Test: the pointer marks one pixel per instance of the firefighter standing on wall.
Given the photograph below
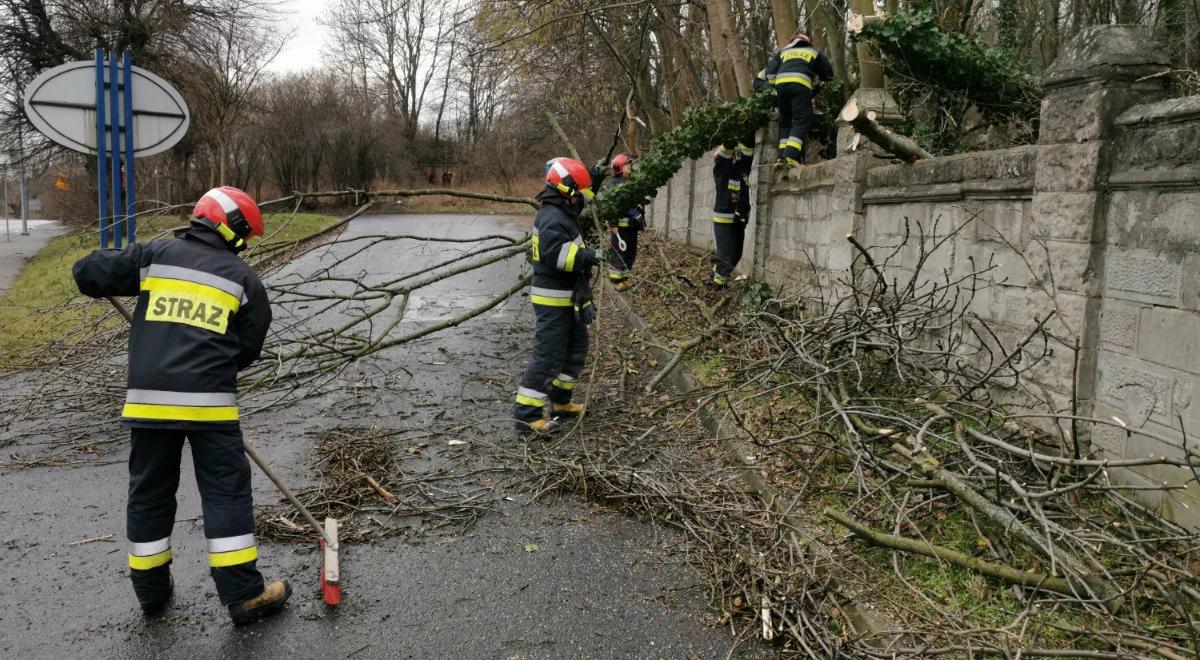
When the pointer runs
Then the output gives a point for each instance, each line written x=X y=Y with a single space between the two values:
x=731 y=212
x=561 y=295
x=624 y=229
x=201 y=315
x=794 y=70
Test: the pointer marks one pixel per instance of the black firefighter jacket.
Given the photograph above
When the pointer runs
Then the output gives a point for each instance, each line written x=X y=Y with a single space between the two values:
x=798 y=62
x=202 y=315
x=557 y=251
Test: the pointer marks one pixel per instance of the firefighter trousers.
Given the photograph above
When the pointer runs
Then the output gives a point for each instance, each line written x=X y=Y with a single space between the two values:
x=730 y=237
x=560 y=343
x=223 y=477
x=621 y=261
x=795 y=120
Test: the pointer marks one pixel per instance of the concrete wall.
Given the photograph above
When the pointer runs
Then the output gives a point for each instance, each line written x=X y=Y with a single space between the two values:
x=1099 y=224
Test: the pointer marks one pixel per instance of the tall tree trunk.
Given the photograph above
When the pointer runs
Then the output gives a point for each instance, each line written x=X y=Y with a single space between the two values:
x=732 y=70
x=783 y=15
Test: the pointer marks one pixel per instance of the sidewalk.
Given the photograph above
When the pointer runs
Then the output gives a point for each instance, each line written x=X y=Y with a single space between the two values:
x=16 y=251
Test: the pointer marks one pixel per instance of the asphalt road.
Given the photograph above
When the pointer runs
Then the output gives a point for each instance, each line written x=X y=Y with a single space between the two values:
x=598 y=584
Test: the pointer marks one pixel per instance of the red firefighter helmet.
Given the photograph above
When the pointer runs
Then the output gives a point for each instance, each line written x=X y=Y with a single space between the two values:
x=231 y=212
x=620 y=161
x=569 y=176
x=800 y=36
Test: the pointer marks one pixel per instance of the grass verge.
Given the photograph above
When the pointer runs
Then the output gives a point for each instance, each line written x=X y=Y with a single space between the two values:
x=43 y=304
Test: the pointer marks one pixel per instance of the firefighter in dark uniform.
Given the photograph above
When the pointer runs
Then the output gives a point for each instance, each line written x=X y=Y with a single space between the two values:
x=624 y=229
x=731 y=212
x=794 y=71
x=202 y=315
x=561 y=296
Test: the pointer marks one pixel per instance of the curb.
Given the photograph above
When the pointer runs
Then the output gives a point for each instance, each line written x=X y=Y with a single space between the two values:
x=866 y=621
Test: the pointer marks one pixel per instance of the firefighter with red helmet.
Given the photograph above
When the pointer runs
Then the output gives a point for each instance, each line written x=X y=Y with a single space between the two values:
x=794 y=71
x=624 y=230
x=562 y=298
x=202 y=315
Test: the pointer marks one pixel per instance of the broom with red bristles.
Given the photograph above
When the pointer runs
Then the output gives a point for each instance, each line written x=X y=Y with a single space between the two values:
x=331 y=589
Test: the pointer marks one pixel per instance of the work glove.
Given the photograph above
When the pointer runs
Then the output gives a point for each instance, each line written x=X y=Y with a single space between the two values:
x=581 y=298
x=602 y=256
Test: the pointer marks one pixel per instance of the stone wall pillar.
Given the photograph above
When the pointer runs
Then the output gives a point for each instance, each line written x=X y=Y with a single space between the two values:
x=1097 y=75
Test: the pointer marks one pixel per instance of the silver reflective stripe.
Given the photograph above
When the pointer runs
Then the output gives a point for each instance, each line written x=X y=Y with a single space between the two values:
x=193 y=399
x=552 y=293
x=226 y=202
x=720 y=214
x=533 y=394
x=230 y=543
x=198 y=276
x=565 y=378
x=563 y=253
x=142 y=273
x=735 y=182
x=150 y=548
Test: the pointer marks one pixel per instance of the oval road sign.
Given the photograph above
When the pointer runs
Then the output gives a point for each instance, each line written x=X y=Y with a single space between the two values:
x=61 y=103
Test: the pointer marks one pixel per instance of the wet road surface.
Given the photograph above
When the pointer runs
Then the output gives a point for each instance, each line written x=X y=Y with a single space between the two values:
x=597 y=585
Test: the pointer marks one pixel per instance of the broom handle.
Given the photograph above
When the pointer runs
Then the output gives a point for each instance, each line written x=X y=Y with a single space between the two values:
x=262 y=465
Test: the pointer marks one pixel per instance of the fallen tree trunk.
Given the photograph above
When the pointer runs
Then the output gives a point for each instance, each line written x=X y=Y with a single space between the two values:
x=897 y=145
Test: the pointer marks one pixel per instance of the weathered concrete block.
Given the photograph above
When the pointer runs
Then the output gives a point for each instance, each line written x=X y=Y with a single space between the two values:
x=1119 y=323
x=1061 y=265
x=1001 y=221
x=1170 y=337
x=1068 y=167
x=1063 y=215
x=1069 y=309
x=1137 y=388
x=1143 y=275
x=1078 y=115
x=1111 y=440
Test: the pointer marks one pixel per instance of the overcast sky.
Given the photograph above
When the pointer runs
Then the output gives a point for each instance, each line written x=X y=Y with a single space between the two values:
x=304 y=50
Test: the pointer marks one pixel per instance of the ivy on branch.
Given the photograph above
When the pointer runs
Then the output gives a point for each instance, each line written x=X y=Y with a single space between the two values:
x=992 y=78
x=703 y=128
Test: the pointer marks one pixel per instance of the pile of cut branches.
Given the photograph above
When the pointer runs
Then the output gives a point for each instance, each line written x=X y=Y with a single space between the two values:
x=880 y=404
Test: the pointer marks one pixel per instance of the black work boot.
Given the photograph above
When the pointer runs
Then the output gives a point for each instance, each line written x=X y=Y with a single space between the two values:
x=156 y=606
x=270 y=601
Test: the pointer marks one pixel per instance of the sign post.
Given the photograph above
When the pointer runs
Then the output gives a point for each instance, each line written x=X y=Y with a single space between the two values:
x=117 y=112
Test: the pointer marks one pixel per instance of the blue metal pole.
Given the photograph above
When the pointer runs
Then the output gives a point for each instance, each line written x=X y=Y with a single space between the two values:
x=101 y=162
x=114 y=128
x=130 y=197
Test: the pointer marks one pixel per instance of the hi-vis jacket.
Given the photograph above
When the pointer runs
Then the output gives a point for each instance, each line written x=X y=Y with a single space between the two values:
x=798 y=62
x=202 y=314
x=557 y=251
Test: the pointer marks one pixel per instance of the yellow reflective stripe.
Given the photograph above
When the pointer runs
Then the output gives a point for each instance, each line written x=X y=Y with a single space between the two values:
x=793 y=142
x=550 y=302
x=562 y=384
x=734 y=186
x=181 y=413
x=530 y=401
x=192 y=288
x=149 y=561
x=779 y=80
x=724 y=221
x=222 y=559
x=571 y=252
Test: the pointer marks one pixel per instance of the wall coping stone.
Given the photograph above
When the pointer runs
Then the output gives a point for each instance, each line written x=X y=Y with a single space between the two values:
x=1182 y=109
x=1187 y=176
x=1021 y=188
x=1012 y=163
